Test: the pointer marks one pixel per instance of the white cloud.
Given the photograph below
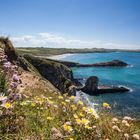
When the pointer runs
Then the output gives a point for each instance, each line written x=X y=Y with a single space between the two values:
x=53 y=40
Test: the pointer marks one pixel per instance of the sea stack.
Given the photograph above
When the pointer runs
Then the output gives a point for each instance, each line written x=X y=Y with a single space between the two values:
x=91 y=85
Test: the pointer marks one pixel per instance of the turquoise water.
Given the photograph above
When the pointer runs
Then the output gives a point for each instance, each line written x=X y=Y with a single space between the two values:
x=123 y=103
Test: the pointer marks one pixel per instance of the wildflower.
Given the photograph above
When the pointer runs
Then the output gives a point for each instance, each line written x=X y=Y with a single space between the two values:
x=88 y=127
x=84 y=121
x=78 y=121
x=68 y=123
x=106 y=105
x=50 y=102
x=49 y=118
x=7 y=105
x=92 y=112
x=114 y=120
x=81 y=114
x=67 y=100
x=125 y=123
x=75 y=116
x=2 y=97
x=63 y=103
x=136 y=137
x=73 y=107
x=128 y=118
x=15 y=77
x=56 y=106
x=94 y=127
x=84 y=108
x=50 y=98
x=126 y=136
x=71 y=139
x=116 y=128
x=32 y=104
x=60 y=97
x=14 y=85
x=67 y=128
x=80 y=102
x=72 y=98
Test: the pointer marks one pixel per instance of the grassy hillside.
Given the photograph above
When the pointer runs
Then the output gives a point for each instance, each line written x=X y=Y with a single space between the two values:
x=38 y=51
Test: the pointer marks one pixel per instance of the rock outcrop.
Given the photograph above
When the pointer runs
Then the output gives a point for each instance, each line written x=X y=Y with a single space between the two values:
x=9 y=49
x=58 y=74
x=113 y=63
x=92 y=88
x=91 y=85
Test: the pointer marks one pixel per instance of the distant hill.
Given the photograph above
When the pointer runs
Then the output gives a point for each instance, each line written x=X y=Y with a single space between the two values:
x=40 y=51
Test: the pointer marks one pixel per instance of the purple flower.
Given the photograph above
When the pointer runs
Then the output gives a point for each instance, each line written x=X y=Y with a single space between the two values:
x=15 y=78
x=14 y=85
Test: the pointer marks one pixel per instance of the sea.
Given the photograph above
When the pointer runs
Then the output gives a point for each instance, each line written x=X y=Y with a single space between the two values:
x=124 y=104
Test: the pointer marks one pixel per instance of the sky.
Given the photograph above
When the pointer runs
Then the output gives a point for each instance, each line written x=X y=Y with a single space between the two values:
x=71 y=23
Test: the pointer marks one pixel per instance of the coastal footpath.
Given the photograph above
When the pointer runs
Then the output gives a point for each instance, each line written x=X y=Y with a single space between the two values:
x=33 y=107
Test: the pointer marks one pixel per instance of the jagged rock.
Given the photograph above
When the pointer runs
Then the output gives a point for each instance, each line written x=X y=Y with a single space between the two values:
x=8 y=47
x=92 y=88
x=91 y=85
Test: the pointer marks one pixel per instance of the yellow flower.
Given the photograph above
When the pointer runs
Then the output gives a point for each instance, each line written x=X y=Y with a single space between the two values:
x=67 y=128
x=88 y=127
x=73 y=107
x=49 y=118
x=60 y=97
x=72 y=98
x=75 y=116
x=92 y=112
x=106 y=105
x=71 y=139
x=32 y=104
x=81 y=114
x=84 y=108
x=80 y=102
x=50 y=102
x=63 y=103
x=84 y=121
x=7 y=105
x=78 y=121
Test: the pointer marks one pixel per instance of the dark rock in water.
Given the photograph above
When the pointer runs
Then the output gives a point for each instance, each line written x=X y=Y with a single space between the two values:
x=91 y=85
x=113 y=63
x=118 y=63
x=112 y=89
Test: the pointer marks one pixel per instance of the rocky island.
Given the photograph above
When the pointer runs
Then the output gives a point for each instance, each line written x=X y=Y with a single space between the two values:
x=92 y=87
x=113 y=63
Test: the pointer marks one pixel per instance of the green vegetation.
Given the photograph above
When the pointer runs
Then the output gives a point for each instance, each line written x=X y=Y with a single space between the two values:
x=40 y=51
x=46 y=115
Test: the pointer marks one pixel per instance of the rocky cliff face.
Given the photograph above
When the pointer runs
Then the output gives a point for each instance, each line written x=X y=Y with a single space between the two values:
x=58 y=74
x=9 y=49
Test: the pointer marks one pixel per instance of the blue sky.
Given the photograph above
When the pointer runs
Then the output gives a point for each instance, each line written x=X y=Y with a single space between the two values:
x=72 y=23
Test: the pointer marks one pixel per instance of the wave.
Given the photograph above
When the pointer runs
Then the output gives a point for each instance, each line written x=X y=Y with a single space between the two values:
x=130 y=66
x=130 y=89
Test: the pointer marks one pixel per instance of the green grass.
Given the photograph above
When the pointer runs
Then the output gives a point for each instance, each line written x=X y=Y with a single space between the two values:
x=29 y=119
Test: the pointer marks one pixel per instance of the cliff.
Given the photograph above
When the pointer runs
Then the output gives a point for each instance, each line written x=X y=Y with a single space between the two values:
x=58 y=74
